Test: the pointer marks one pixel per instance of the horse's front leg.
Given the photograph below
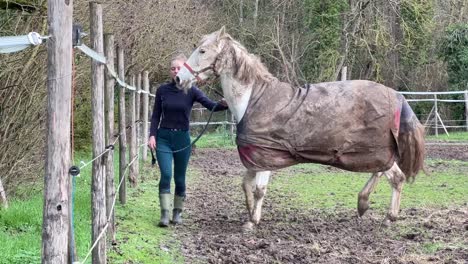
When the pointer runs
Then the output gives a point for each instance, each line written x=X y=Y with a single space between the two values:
x=261 y=182
x=248 y=185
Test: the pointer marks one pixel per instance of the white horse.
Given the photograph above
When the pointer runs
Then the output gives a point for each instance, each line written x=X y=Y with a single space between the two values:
x=354 y=125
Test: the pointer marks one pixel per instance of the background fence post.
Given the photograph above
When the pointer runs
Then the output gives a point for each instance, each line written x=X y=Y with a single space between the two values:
x=109 y=106
x=133 y=141
x=138 y=119
x=233 y=123
x=138 y=106
x=466 y=109
x=122 y=129
x=56 y=211
x=436 y=112
x=144 y=134
x=97 y=108
x=3 y=198
x=344 y=73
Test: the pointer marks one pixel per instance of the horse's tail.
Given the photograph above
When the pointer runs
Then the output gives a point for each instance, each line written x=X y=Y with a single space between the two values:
x=411 y=144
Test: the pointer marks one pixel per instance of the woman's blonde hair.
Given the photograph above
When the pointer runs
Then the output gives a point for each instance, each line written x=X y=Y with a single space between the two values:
x=179 y=56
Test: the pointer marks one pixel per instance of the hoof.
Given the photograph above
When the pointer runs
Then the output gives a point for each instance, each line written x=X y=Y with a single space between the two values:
x=389 y=220
x=248 y=227
x=386 y=222
x=163 y=224
x=362 y=207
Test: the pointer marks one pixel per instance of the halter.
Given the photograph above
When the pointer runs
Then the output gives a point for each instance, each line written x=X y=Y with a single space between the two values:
x=212 y=67
x=196 y=73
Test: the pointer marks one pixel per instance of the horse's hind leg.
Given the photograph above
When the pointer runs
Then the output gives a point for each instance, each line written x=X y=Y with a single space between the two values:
x=396 y=178
x=363 y=197
x=248 y=185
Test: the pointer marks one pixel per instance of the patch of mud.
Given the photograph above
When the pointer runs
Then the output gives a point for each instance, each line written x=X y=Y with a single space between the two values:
x=448 y=152
x=212 y=232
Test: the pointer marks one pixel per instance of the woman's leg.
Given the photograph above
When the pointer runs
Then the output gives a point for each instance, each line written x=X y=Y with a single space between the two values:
x=181 y=159
x=164 y=157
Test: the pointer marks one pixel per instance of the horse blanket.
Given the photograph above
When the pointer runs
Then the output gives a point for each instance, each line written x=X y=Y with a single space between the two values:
x=351 y=125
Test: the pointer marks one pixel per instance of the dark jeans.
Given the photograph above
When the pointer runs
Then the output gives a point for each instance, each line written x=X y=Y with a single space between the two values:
x=166 y=141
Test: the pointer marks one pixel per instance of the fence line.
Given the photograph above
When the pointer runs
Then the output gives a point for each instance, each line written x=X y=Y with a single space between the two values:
x=101 y=61
x=433 y=118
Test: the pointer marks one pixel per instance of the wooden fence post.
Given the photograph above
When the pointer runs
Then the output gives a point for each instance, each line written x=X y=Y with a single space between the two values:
x=138 y=106
x=233 y=122
x=145 y=115
x=98 y=185
x=109 y=105
x=133 y=140
x=56 y=210
x=122 y=129
x=466 y=109
x=436 y=112
x=3 y=198
x=138 y=119
x=344 y=73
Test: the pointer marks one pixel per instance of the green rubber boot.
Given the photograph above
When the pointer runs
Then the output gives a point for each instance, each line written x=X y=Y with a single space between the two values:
x=177 y=211
x=165 y=203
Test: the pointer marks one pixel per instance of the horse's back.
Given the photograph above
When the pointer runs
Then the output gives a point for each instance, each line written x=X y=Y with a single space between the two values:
x=350 y=125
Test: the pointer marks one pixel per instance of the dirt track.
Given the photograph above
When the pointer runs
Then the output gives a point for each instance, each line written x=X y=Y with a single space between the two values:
x=215 y=213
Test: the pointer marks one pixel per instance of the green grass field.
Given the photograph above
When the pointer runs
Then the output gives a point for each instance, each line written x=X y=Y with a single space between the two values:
x=317 y=187
x=141 y=241
x=453 y=136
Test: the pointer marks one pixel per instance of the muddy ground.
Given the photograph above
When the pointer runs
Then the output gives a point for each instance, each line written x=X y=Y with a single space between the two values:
x=212 y=232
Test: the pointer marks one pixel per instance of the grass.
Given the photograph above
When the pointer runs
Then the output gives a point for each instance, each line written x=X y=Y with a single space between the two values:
x=21 y=224
x=140 y=240
x=314 y=185
x=221 y=139
x=453 y=136
x=215 y=140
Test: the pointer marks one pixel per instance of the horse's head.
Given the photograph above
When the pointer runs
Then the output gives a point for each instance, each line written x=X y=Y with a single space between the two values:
x=202 y=63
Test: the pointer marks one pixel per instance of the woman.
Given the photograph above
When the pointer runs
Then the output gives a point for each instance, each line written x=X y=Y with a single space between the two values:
x=170 y=132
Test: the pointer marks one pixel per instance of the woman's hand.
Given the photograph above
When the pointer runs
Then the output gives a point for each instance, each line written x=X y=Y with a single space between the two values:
x=223 y=102
x=152 y=143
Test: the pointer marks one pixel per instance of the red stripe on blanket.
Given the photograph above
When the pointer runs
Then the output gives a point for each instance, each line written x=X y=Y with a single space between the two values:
x=246 y=152
x=396 y=119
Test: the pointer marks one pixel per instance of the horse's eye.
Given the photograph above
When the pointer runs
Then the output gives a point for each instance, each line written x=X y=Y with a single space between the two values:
x=202 y=51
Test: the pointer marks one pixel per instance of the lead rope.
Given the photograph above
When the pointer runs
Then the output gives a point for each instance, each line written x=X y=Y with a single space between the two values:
x=153 y=158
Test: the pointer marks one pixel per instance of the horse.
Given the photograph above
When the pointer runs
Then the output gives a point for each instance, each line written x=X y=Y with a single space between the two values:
x=356 y=125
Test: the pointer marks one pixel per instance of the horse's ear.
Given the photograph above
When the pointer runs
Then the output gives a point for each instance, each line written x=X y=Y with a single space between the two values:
x=221 y=33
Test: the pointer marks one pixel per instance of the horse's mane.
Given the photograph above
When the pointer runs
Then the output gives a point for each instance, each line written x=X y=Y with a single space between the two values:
x=247 y=67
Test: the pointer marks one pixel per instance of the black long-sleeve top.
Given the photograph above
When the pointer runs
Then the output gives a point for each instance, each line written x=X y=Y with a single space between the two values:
x=172 y=107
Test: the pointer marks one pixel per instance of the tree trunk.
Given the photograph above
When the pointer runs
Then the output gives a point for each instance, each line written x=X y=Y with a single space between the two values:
x=255 y=15
x=393 y=78
x=241 y=12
